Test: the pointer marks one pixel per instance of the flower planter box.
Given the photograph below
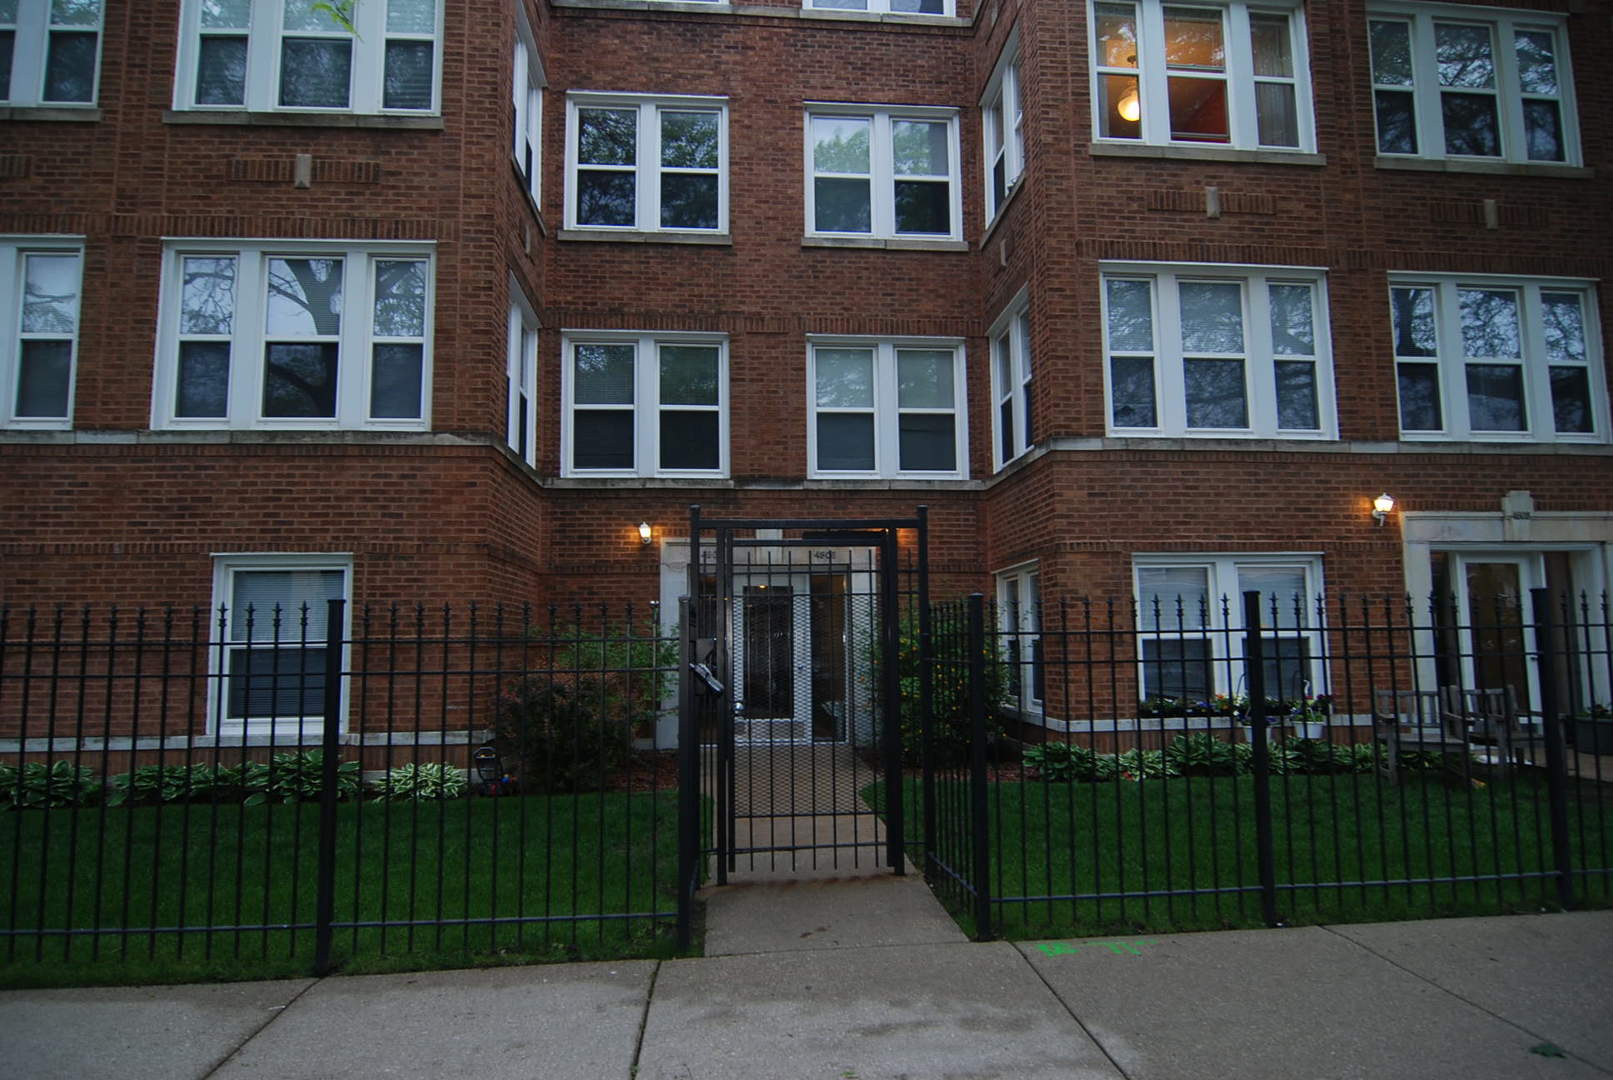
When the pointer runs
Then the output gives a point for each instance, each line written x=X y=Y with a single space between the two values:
x=1593 y=735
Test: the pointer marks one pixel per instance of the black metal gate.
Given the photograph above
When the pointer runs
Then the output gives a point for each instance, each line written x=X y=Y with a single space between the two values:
x=791 y=702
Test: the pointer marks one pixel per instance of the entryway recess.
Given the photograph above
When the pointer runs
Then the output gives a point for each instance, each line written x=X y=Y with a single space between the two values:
x=799 y=638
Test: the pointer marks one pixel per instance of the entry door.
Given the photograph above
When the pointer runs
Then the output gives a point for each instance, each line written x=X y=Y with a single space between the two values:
x=772 y=657
x=1494 y=601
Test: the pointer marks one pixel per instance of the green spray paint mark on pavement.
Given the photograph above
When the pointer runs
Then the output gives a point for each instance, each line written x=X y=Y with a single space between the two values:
x=1116 y=948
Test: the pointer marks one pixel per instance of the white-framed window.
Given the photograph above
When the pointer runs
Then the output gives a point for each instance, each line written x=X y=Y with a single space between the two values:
x=303 y=334
x=1011 y=382
x=885 y=7
x=360 y=56
x=877 y=171
x=1497 y=358
x=1230 y=74
x=644 y=404
x=522 y=350
x=646 y=164
x=1218 y=351
x=50 y=52
x=1472 y=82
x=892 y=408
x=1191 y=627
x=1003 y=126
x=1019 y=628
x=271 y=627
x=40 y=287
x=526 y=94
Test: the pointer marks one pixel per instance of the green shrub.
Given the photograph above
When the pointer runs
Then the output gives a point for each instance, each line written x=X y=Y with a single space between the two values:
x=37 y=785
x=949 y=694
x=176 y=783
x=1137 y=764
x=1202 y=753
x=434 y=780
x=1062 y=762
x=297 y=776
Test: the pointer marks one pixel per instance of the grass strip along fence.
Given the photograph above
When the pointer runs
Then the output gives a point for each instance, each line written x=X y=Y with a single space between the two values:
x=478 y=795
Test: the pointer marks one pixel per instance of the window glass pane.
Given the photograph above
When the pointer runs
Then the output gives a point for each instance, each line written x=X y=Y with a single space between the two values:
x=50 y=295
x=226 y=14
x=1268 y=36
x=204 y=379
x=1215 y=394
x=926 y=443
x=1287 y=667
x=919 y=148
x=284 y=682
x=604 y=375
x=312 y=15
x=1132 y=383
x=845 y=442
x=841 y=205
x=221 y=71
x=8 y=11
x=1283 y=598
x=1131 y=318
x=689 y=140
x=1122 y=108
x=1543 y=131
x=607 y=136
x=1495 y=397
x=1275 y=114
x=924 y=379
x=1412 y=313
x=1292 y=331
x=1564 y=326
x=1391 y=53
x=1173 y=597
x=408 y=75
x=1212 y=317
x=1176 y=668
x=917 y=7
x=300 y=380
x=301 y=596
x=689 y=374
x=1537 y=62
x=606 y=198
x=1463 y=55
x=1193 y=39
x=395 y=382
x=1489 y=322
x=1397 y=122
x=305 y=297
x=45 y=375
x=689 y=440
x=411 y=16
x=1470 y=125
x=315 y=72
x=70 y=68
x=923 y=207
x=1571 y=400
x=842 y=5
x=1117 y=35
x=1296 y=395
x=8 y=45
x=1008 y=446
x=400 y=298
x=688 y=201
x=1419 y=397
x=602 y=440
x=845 y=378
x=1198 y=110
x=75 y=12
x=840 y=144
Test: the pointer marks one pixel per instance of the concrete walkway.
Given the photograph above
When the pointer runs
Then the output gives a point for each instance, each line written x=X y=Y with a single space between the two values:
x=874 y=987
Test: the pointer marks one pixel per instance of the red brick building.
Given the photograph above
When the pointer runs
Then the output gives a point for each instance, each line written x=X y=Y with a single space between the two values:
x=404 y=300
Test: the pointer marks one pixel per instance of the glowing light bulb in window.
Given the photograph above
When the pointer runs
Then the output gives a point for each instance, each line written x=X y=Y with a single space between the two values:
x=1129 y=107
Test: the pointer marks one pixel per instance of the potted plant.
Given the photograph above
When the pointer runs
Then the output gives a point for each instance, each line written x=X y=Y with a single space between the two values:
x=1307 y=718
x=1593 y=730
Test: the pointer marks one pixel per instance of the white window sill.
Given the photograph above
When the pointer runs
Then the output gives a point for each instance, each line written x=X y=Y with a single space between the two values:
x=302 y=119
x=634 y=236
x=1340 y=721
x=1205 y=153
x=82 y=114
x=882 y=244
x=1489 y=168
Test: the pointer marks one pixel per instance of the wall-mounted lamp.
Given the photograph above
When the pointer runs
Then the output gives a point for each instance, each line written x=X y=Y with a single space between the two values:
x=644 y=532
x=1381 y=507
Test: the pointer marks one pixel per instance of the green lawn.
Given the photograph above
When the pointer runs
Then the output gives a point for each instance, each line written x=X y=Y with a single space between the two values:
x=253 y=868
x=1074 y=847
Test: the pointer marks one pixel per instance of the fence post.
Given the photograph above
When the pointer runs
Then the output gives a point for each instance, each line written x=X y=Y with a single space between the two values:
x=979 y=808
x=1254 y=665
x=688 y=777
x=1556 y=754
x=325 y=895
x=926 y=689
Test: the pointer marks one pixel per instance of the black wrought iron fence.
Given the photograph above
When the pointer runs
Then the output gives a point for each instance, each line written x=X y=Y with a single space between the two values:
x=1267 y=763
x=316 y=787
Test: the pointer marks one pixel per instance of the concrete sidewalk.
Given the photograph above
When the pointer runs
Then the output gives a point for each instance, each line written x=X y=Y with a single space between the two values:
x=1469 y=999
